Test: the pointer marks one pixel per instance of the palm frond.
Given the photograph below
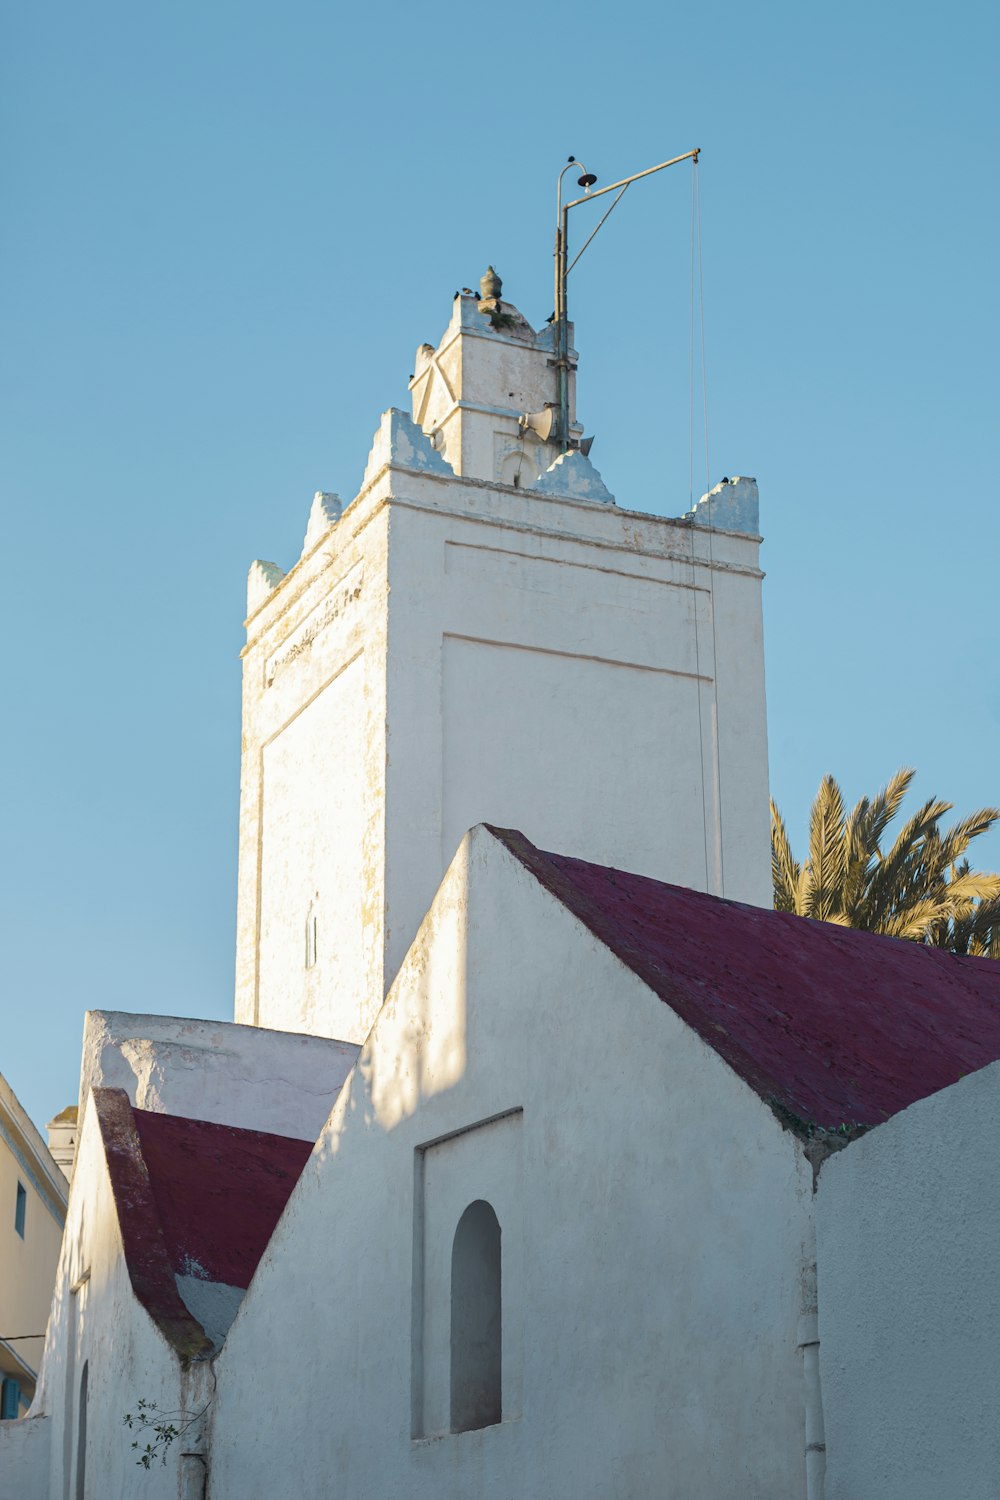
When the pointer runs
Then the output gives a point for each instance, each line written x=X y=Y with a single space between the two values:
x=960 y=835
x=921 y=888
x=823 y=896
x=903 y=869
x=886 y=804
x=914 y=921
x=785 y=871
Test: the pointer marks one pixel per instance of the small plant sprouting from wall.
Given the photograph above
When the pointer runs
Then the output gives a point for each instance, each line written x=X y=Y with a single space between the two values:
x=161 y=1427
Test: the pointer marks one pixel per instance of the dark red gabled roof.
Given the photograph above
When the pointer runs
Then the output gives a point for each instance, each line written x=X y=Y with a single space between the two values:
x=219 y=1190
x=834 y=1027
x=194 y=1199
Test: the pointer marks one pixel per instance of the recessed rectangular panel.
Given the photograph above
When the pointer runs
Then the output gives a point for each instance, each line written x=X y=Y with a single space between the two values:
x=585 y=756
x=481 y=1165
x=584 y=609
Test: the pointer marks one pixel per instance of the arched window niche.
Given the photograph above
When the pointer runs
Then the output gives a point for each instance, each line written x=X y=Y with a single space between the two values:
x=476 y=1320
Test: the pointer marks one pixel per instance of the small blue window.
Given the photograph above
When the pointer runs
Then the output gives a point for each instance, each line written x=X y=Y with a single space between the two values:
x=20 y=1209
x=10 y=1400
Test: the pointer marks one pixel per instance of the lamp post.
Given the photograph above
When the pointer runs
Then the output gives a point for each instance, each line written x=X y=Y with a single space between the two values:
x=586 y=180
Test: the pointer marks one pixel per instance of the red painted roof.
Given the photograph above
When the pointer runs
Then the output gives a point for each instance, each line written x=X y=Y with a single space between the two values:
x=219 y=1191
x=193 y=1199
x=835 y=1026
x=146 y=1258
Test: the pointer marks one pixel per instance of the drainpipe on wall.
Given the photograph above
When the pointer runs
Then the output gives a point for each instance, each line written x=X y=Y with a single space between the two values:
x=808 y=1342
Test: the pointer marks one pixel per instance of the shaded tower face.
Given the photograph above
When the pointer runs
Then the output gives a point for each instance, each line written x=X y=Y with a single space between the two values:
x=482 y=635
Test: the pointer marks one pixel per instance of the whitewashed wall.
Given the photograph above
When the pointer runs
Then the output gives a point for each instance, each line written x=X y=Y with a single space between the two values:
x=96 y=1320
x=470 y=391
x=908 y=1224
x=312 y=784
x=281 y=1082
x=24 y=1458
x=654 y=1218
x=554 y=671
x=455 y=652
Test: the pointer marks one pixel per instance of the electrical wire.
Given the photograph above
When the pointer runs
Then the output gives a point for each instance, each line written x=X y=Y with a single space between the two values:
x=694 y=179
x=717 y=756
x=701 y=300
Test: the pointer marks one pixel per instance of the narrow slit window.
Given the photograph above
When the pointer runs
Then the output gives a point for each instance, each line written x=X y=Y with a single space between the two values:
x=476 y=1320
x=312 y=937
x=21 y=1208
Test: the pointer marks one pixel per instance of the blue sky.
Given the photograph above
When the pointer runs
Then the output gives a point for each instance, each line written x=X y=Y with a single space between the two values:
x=227 y=228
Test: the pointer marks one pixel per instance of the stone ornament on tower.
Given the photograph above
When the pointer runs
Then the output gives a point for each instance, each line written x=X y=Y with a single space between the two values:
x=490 y=287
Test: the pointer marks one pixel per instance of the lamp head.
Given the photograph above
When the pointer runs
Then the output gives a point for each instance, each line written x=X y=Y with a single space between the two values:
x=587 y=180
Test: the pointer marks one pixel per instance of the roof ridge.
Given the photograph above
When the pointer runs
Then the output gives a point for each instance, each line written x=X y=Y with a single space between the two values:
x=220 y=1125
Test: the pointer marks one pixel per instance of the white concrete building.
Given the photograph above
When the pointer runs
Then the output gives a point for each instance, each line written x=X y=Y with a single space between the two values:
x=485 y=634
x=559 y=1232
x=624 y=1188
x=908 y=1223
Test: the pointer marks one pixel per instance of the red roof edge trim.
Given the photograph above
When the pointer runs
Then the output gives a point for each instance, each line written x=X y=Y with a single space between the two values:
x=149 y=1267
x=587 y=911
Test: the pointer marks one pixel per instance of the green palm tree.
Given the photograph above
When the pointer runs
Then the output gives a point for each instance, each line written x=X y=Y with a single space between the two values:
x=922 y=887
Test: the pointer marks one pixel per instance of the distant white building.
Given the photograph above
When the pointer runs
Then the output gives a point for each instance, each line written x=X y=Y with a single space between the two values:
x=568 y=1174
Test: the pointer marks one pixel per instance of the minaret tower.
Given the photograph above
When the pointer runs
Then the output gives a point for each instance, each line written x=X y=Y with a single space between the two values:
x=484 y=635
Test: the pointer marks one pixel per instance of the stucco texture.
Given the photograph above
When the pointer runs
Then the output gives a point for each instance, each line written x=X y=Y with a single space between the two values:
x=908 y=1223
x=98 y=1322
x=280 y=1082
x=653 y=1212
x=459 y=648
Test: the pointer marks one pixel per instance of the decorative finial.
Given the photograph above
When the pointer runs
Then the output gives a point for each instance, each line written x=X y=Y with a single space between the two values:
x=490 y=286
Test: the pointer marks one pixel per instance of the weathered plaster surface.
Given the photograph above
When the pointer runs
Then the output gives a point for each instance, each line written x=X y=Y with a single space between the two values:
x=326 y=511
x=312 y=785
x=399 y=442
x=262 y=579
x=573 y=476
x=24 y=1458
x=908 y=1223
x=281 y=1082
x=654 y=1218
x=458 y=651
x=214 y=1304
x=471 y=393
x=732 y=505
x=168 y=1219
x=461 y=647
x=97 y=1320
